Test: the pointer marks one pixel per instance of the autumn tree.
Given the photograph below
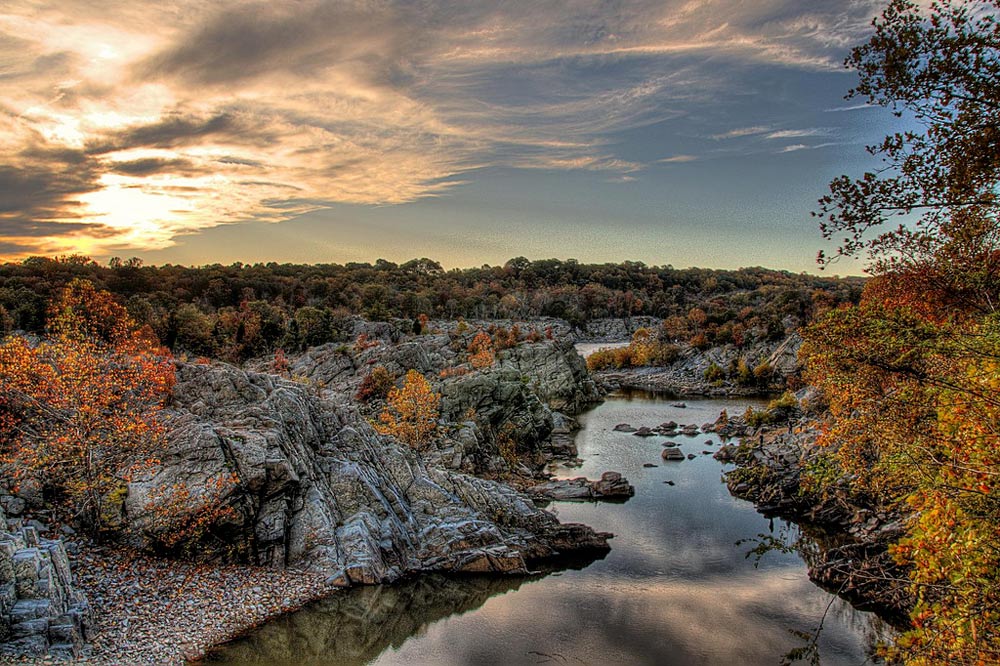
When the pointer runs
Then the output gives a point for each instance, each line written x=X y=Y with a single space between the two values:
x=481 y=354
x=411 y=412
x=911 y=373
x=80 y=409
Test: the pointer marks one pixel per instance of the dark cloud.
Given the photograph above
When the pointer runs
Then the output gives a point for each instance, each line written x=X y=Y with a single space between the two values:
x=173 y=130
x=42 y=190
x=251 y=40
x=14 y=248
x=153 y=165
x=41 y=184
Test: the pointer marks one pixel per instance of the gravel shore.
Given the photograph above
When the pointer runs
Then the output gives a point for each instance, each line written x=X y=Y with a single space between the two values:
x=157 y=611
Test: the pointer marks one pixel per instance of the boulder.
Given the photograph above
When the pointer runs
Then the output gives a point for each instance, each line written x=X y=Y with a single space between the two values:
x=611 y=485
x=672 y=453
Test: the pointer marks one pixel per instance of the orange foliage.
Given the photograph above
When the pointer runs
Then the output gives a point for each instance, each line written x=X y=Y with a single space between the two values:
x=481 y=351
x=80 y=410
x=180 y=517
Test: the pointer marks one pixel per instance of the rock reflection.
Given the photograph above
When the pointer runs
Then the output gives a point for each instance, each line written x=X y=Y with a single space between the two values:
x=357 y=625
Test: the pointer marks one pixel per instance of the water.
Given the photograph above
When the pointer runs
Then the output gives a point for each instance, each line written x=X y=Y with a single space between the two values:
x=587 y=348
x=675 y=589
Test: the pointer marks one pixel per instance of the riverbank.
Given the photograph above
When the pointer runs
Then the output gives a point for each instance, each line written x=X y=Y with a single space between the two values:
x=851 y=534
x=165 y=611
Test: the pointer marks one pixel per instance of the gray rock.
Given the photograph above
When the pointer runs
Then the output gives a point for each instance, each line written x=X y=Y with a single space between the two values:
x=319 y=489
x=41 y=613
x=672 y=453
x=611 y=485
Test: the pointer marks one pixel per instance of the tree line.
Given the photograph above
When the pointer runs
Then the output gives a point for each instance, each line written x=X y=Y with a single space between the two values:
x=239 y=311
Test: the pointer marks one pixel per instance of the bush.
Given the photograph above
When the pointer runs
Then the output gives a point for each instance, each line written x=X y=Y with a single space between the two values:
x=412 y=411
x=376 y=384
x=714 y=373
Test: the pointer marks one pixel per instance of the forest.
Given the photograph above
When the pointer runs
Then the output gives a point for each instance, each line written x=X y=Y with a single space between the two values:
x=240 y=311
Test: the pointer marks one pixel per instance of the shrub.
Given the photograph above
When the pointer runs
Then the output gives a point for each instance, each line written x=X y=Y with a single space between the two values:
x=376 y=384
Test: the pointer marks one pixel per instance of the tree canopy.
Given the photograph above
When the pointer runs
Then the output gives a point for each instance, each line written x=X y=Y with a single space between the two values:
x=912 y=372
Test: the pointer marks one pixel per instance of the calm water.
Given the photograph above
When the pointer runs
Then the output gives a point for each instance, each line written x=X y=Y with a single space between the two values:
x=587 y=348
x=675 y=589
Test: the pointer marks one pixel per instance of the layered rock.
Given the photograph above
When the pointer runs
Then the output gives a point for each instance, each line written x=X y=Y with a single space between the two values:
x=41 y=612
x=317 y=488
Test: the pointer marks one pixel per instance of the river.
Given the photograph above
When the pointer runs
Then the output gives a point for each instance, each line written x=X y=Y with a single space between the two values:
x=676 y=587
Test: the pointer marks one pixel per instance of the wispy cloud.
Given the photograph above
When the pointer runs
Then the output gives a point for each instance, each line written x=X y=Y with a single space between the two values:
x=679 y=159
x=801 y=146
x=742 y=132
x=798 y=133
x=127 y=123
x=852 y=107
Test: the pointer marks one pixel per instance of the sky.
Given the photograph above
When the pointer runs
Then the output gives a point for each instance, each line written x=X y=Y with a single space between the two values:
x=689 y=133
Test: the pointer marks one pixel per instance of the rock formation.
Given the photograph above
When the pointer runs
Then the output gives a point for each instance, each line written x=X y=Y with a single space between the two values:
x=318 y=488
x=41 y=613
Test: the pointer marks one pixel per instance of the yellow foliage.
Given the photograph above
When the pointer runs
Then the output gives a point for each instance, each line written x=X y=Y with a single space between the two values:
x=411 y=412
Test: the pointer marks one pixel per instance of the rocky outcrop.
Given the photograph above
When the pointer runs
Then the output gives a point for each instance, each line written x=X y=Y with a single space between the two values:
x=555 y=373
x=500 y=400
x=41 y=612
x=611 y=485
x=851 y=538
x=495 y=420
x=317 y=488
x=686 y=375
x=613 y=330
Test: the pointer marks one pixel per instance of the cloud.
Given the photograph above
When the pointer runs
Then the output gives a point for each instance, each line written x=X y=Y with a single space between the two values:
x=797 y=133
x=801 y=146
x=852 y=107
x=678 y=159
x=741 y=132
x=130 y=122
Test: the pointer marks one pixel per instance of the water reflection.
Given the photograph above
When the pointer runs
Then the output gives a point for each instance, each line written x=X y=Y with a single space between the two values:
x=355 y=627
x=675 y=589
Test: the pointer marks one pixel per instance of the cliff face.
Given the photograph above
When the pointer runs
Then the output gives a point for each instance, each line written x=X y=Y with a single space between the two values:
x=317 y=488
x=41 y=612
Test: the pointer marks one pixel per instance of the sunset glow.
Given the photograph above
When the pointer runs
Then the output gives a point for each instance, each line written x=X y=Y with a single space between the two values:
x=128 y=127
